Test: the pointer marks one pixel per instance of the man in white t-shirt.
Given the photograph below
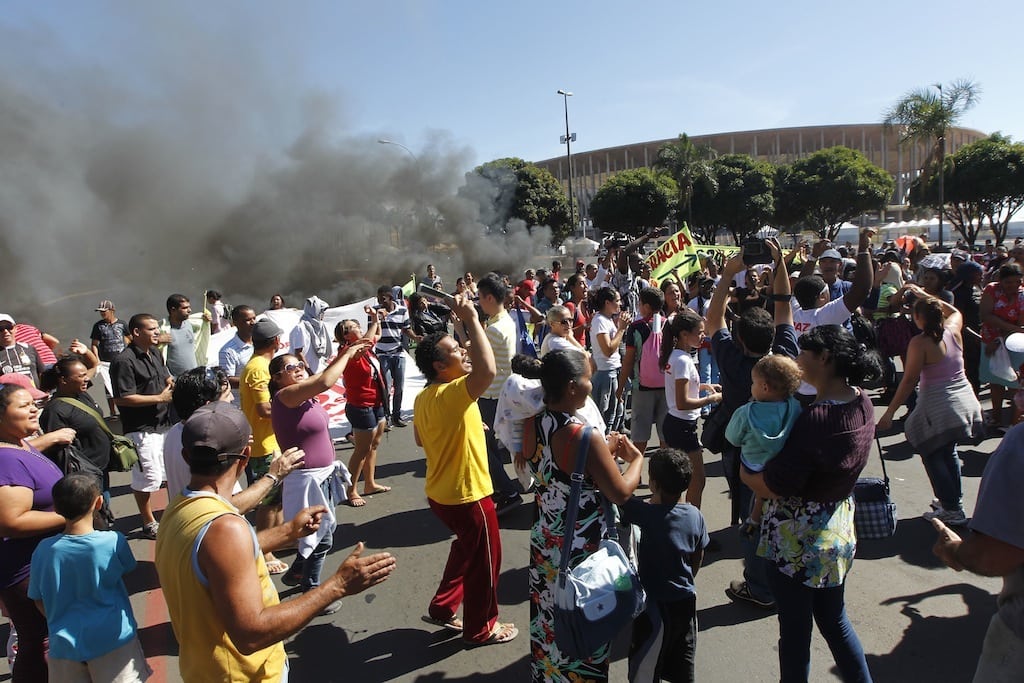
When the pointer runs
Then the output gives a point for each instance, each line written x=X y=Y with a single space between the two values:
x=812 y=307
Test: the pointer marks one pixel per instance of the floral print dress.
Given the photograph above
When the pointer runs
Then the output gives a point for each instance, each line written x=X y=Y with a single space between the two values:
x=553 y=489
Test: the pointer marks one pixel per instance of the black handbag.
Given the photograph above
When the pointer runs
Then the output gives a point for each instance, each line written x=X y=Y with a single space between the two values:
x=70 y=460
x=123 y=453
x=712 y=436
x=874 y=513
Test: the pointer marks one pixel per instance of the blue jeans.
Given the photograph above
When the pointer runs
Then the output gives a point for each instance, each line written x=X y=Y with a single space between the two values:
x=500 y=481
x=943 y=469
x=801 y=606
x=393 y=367
x=603 y=386
x=755 y=568
x=309 y=567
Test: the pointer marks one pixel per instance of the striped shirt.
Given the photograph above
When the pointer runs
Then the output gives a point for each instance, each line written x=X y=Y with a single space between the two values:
x=391 y=328
x=501 y=333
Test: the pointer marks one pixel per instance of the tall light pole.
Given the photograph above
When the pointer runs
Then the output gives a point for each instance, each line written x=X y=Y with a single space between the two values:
x=419 y=171
x=942 y=167
x=567 y=139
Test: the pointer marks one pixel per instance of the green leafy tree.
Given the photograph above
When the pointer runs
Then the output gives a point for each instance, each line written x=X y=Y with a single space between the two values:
x=691 y=166
x=510 y=188
x=829 y=187
x=634 y=201
x=924 y=115
x=742 y=201
x=984 y=187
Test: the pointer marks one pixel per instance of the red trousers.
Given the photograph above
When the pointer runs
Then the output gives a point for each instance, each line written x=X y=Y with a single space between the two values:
x=474 y=562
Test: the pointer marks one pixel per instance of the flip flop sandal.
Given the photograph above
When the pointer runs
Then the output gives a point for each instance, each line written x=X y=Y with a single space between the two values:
x=453 y=623
x=380 y=489
x=355 y=502
x=277 y=567
x=502 y=633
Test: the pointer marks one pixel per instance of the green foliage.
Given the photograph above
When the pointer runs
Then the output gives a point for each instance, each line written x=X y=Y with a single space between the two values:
x=925 y=114
x=510 y=188
x=741 y=202
x=829 y=187
x=691 y=166
x=634 y=201
x=984 y=182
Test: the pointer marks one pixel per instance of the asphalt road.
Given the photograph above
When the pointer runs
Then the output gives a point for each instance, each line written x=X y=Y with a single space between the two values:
x=917 y=619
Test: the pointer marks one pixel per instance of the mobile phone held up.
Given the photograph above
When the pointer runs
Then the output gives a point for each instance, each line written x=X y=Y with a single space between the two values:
x=756 y=251
x=445 y=297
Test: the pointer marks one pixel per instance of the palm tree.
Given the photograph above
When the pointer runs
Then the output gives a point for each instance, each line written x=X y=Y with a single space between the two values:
x=689 y=165
x=924 y=116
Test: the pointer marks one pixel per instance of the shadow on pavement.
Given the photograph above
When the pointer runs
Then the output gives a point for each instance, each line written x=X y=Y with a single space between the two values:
x=144 y=578
x=913 y=543
x=417 y=468
x=937 y=648
x=395 y=530
x=974 y=462
x=514 y=586
x=158 y=640
x=730 y=614
x=328 y=655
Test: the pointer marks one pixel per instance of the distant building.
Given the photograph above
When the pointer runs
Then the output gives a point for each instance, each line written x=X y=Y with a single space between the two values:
x=777 y=145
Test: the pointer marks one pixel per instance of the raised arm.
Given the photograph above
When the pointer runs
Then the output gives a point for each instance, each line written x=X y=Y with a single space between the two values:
x=714 y=316
x=781 y=293
x=310 y=387
x=480 y=353
x=863 y=276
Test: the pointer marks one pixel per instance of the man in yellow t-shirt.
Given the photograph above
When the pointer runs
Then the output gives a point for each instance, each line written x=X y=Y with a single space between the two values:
x=254 y=393
x=447 y=425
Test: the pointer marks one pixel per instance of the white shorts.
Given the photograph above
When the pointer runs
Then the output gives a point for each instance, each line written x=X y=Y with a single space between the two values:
x=103 y=370
x=148 y=475
x=126 y=664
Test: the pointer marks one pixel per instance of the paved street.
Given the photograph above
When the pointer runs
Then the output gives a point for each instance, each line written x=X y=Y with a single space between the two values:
x=917 y=619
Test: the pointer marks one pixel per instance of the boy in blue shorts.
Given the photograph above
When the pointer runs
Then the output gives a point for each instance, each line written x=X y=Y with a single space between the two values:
x=76 y=581
x=672 y=541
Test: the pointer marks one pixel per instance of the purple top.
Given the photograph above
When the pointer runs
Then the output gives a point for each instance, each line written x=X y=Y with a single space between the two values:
x=825 y=452
x=949 y=368
x=33 y=470
x=304 y=427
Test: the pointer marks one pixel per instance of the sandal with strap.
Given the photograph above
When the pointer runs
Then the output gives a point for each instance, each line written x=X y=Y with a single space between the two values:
x=452 y=623
x=502 y=633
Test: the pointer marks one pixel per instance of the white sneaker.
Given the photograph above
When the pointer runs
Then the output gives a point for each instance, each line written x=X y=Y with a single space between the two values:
x=947 y=517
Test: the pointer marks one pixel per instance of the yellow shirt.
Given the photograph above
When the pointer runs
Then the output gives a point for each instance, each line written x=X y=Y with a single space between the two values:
x=207 y=654
x=253 y=389
x=448 y=423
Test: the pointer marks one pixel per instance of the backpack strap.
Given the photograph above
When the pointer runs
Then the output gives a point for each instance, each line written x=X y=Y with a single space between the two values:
x=87 y=410
x=573 y=505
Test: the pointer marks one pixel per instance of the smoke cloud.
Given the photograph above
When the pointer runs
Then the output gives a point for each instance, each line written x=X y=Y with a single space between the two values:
x=193 y=163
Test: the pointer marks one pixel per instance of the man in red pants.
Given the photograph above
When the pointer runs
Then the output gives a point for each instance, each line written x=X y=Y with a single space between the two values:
x=448 y=427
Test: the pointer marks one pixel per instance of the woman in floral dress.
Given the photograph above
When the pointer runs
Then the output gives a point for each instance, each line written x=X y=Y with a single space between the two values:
x=1002 y=314
x=807 y=532
x=565 y=378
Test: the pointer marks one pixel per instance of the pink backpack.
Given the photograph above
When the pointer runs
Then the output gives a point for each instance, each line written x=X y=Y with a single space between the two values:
x=652 y=375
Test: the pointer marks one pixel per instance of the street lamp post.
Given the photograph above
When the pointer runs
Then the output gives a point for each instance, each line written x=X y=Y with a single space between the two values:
x=942 y=168
x=567 y=139
x=419 y=171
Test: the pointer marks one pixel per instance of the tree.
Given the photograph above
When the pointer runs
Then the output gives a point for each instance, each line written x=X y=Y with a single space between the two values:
x=510 y=188
x=924 y=115
x=691 y=166
x=742 y=201
x=983 y=181
x=829 y=187
x=634 y=201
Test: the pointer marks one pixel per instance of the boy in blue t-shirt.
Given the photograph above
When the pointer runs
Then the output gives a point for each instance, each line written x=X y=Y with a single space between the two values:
x=76 y=580
x=672 y=541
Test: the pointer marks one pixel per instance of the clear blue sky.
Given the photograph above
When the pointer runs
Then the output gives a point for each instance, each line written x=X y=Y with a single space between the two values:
x=484 y=75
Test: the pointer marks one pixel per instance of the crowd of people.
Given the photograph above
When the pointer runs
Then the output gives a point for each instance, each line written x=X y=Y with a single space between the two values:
x=769 y=364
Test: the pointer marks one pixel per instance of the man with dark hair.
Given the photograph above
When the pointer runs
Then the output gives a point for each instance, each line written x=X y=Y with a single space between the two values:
x=447 y=425
x=224 y=609
x=502 y=337
x=755 y=334
x=394 y=322
x=142 y=390
x=432 y=279
x=237 y=351
x=649 y=405
x=109 y=336
x=180 y=337
x=17 y=357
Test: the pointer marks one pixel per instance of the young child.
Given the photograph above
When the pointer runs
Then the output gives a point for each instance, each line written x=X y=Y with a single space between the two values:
x=673 y=537
x=760 y=428
x=76 y=581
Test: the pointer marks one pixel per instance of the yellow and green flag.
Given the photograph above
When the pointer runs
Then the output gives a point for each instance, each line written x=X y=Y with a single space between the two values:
x=409 y=286
x=678 y=253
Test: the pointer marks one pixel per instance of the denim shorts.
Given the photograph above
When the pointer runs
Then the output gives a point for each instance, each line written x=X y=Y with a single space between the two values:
x=681 y=434
x=364 y=419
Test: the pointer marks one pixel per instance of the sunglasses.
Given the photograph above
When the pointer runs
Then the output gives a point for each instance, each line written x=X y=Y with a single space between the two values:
x=6 y=327
x=292 y=367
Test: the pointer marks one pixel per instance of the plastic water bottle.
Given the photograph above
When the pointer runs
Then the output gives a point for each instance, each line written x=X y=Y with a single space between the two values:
x=12 y=646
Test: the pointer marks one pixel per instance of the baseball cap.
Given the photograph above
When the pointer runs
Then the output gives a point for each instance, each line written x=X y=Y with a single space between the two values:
x=264 y=330
x=831 y=253
x=215 y=430
x=24 y=382
x=105 y=305
x=6 y=318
